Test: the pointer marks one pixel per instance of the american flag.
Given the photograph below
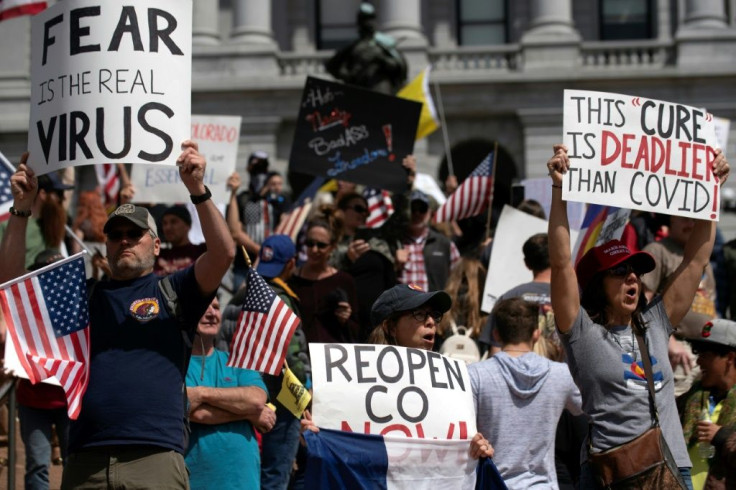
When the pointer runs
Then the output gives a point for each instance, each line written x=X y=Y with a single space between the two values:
x=380 y=206
x=15 y=8
x=6 y=196
x=472 y=197
x=109 y=181
x=48 y=321
x=291 y=223
x=264 y=330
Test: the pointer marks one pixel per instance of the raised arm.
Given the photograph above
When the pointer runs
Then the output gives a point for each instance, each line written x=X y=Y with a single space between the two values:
x=24 y=186
x=233 y=217
x=678 y=294
x=212 y=265
x=564 y=284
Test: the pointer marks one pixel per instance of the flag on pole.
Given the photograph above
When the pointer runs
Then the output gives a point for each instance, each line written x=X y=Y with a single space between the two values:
x=264 y=329
x=48 y=322
x=380 y=206
x=418 y=90
x=109 y=182
x=293 y=395
x=15 y=8
x=6 y=196
x=472 y=197
x=292 y=221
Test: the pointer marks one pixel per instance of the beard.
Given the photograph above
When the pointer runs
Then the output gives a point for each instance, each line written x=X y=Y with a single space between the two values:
x=132 y=266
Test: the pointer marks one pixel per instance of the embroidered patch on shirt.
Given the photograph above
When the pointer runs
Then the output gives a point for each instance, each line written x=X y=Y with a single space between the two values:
x=145 y=309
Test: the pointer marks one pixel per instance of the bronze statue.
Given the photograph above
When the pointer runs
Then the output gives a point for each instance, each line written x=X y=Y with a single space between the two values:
x=372 y=61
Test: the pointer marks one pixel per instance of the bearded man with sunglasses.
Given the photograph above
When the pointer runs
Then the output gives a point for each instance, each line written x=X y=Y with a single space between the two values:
x=132 y=428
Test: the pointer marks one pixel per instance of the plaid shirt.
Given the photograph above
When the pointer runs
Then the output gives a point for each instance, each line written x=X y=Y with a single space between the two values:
x=414 y=271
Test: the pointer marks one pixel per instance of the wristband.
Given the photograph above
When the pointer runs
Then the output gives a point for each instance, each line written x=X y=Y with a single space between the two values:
x=19 y=213
x=557 y=186
x=201 y=198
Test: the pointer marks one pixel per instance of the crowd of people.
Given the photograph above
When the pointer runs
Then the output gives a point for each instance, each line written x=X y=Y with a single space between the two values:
x=556 y=370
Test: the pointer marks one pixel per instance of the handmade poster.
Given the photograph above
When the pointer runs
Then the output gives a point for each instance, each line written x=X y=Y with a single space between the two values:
x=349 y=133
x=390 y=390
x=506 y=268
x=110 y=82
x=218 y=138
x=638 y=153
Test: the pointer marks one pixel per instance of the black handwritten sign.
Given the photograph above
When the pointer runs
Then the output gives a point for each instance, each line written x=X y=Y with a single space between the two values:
x=348 y=133
x=639 y=153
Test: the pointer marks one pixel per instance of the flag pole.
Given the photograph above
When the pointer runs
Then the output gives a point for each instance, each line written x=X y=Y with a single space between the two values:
x=490 y=197
x=443 y=124
x=245 y=254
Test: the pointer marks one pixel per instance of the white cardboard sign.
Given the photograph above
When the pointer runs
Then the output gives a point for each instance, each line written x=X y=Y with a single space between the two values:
x=390 y=390
x=218 y=138
x=639 y=153
x=110 y=82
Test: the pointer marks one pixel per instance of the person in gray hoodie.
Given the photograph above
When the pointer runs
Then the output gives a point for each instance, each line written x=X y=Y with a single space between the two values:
x=519 y=397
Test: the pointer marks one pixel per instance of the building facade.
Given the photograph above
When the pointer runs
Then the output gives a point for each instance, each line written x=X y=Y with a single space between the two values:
x=499 y=66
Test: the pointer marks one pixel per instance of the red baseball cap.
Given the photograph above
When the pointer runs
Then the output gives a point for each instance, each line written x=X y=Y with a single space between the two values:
x=608 y=255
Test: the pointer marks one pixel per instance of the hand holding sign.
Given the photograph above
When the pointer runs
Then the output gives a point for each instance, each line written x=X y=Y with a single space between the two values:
x=23 y=185
x=558 y=165
x=721 y=168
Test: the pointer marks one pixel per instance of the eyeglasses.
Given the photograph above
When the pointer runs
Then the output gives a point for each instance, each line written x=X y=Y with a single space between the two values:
x=314 y=243
x=359 y=209
x=133 y=234
x=422 y=315
x=622 y=270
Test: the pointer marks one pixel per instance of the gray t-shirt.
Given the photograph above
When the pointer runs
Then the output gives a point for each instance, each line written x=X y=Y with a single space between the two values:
x=607 y=367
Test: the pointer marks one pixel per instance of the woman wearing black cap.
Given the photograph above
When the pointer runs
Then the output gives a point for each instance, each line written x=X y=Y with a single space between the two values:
x=602 y=352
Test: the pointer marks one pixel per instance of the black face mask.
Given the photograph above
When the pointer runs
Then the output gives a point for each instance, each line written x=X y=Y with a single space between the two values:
x=257 y=181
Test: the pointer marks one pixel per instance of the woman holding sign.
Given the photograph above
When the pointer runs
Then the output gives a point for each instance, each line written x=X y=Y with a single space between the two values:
x=599 y=331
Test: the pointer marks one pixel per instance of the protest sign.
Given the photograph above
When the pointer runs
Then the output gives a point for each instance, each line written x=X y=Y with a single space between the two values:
x=218 y=138
x=506 y=268
x=110 y=82
x=390 y=390
x=722 y=127
x=348 y=133
x=639 y=153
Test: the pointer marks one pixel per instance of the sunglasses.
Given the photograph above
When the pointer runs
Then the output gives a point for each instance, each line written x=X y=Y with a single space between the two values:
x=359 y=209
x=420 y=208
x=314 y=243
x=133 y=234
x=422 y=315
x=622 y=270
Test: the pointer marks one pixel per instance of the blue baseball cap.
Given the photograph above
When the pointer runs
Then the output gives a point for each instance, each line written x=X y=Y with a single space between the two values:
x=276 y=252
x=406 y=297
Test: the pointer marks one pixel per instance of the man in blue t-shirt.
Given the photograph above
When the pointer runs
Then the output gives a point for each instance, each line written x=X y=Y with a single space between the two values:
x=131 y=431
x=224 y=405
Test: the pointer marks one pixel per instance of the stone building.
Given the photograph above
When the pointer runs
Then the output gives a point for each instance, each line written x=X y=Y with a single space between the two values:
x=501 y=66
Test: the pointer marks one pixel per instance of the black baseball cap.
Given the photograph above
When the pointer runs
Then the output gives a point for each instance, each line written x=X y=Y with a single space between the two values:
x=406 y=297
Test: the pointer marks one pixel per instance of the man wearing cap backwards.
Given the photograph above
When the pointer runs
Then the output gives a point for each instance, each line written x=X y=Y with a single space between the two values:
x=715 y=394
x=181 y=253
x=427 y=255
x=131 y=431
x=597 y=326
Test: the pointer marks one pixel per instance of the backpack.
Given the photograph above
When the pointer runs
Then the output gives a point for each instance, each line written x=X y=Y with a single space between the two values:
x=460 y=346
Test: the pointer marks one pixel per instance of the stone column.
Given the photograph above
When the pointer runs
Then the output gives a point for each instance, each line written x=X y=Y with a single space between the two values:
x=551 y=40
x=252 y=22
x=705 y=39
x=204 y=22
x=402 y=20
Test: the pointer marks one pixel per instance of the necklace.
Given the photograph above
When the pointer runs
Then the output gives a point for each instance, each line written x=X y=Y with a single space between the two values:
x=632 y=351
x=516 y=350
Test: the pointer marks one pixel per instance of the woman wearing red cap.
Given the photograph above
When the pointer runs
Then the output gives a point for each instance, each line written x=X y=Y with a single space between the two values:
x=602 y=352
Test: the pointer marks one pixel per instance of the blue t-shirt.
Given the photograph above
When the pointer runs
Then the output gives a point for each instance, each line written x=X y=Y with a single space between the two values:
x=138 y=359
x=223 y=455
